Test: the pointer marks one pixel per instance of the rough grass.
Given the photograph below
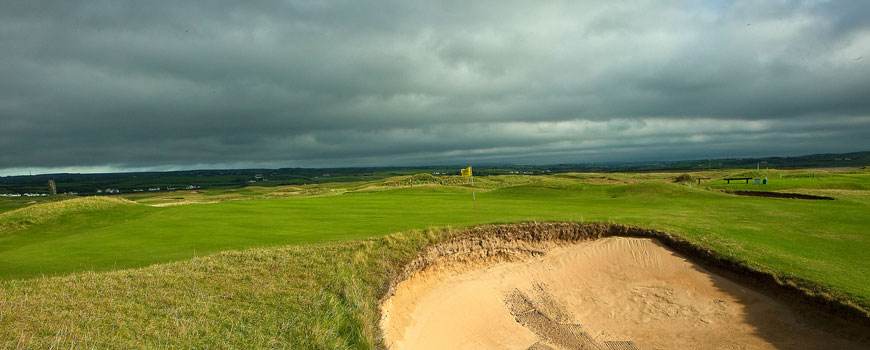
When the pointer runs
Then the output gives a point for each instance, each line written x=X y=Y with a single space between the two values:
x=311 y=297
x=48 y=212
x=12 y=203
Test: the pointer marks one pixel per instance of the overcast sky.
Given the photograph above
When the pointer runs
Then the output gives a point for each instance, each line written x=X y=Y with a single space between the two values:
x=134 y=85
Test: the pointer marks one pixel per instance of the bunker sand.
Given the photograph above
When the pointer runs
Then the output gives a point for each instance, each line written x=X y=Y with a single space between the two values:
x=612 y=293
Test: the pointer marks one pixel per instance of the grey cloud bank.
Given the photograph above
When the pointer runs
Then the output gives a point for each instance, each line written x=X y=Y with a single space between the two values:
x=138 y=85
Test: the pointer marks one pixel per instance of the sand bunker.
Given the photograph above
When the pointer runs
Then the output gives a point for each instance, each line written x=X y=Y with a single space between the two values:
x=613 y=293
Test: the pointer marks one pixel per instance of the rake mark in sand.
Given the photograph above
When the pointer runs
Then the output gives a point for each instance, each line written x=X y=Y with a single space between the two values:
x=544 y=316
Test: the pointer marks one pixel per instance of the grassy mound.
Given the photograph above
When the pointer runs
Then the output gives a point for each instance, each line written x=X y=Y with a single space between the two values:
x=311 y=297
x=480 y=182
x=52 y=211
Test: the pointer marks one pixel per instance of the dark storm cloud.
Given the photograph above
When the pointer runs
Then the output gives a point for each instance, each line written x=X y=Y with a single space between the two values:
x=125 y=84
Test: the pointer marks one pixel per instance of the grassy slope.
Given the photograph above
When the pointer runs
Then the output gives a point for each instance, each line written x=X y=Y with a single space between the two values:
x=311 y=297
x=50 y=212
x=326 y=292
x=9 y=204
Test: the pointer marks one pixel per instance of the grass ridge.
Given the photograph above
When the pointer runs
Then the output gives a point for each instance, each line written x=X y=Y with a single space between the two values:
x=42 y=213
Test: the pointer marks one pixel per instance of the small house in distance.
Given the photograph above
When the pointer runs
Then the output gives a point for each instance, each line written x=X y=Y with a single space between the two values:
x=258 y=178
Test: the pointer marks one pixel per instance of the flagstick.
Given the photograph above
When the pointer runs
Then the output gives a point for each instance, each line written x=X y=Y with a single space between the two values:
x=473 y=196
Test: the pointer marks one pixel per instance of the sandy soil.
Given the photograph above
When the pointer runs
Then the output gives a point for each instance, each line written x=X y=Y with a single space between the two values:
x=612 y=293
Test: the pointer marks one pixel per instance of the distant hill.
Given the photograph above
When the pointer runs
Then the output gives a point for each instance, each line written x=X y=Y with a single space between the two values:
x=830 y=160
x=89 y=184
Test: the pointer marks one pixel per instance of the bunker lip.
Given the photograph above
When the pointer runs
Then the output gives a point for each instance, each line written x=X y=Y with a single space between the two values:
x=468 y=249
x=778 y=195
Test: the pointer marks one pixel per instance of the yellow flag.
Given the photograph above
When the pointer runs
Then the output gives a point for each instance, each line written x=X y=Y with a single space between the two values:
x=466 y=172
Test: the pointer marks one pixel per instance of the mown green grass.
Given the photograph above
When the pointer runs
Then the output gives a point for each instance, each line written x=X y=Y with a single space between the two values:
x=803 y=238
x=232 y=299
x=799 y=179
